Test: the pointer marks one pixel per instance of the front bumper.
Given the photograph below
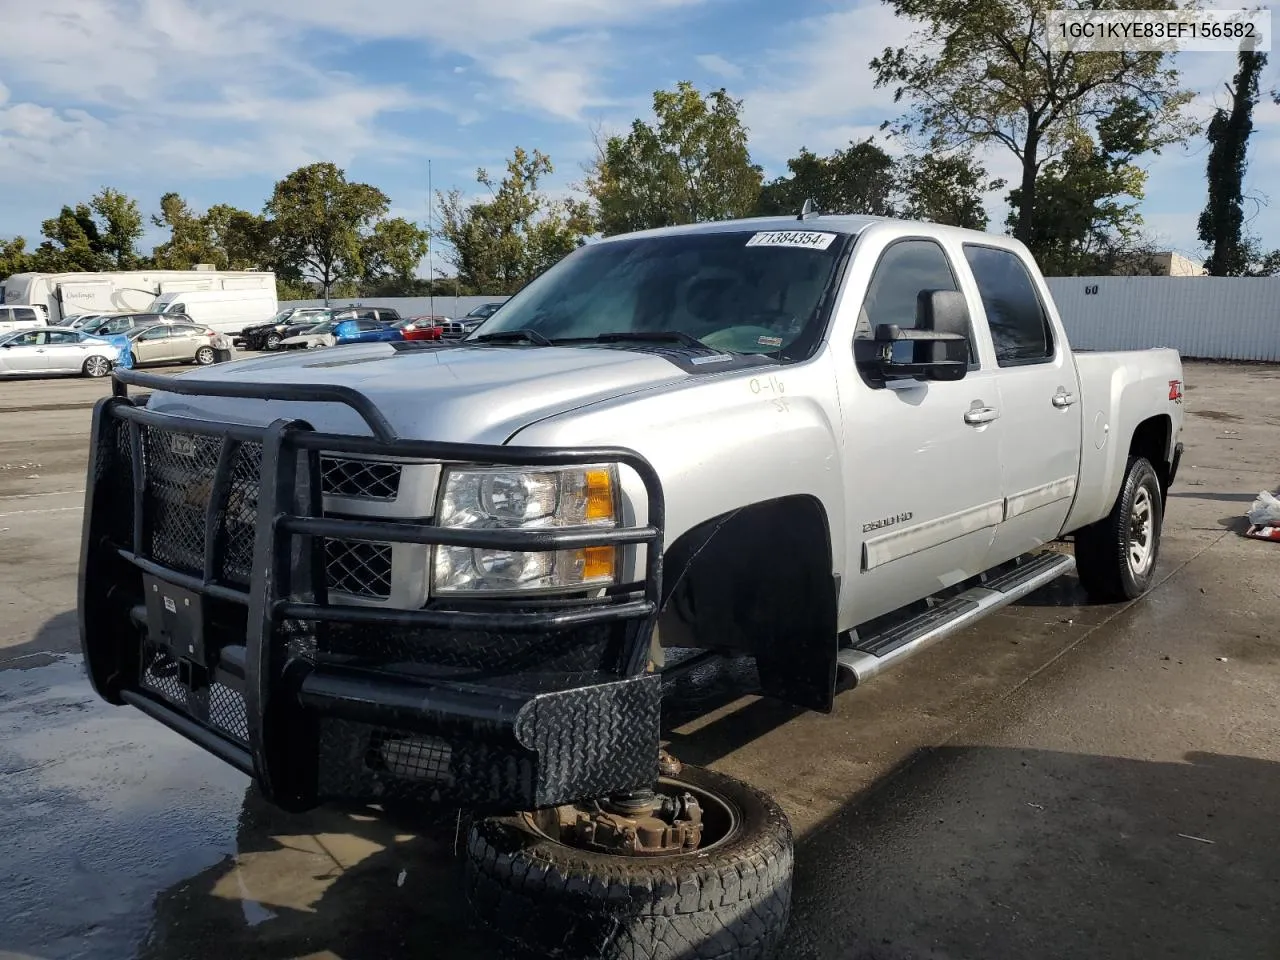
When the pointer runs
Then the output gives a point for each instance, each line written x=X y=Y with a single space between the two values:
x=205 y=602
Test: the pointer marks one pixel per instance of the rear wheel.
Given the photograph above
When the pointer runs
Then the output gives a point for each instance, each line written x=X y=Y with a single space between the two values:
x=97 y=367
x=1116 y=557
x=549 y=886
x=205 y=356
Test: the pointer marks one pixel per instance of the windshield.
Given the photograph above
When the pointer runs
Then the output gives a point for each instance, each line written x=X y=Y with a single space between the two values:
x=487 y=310
x=740 y=291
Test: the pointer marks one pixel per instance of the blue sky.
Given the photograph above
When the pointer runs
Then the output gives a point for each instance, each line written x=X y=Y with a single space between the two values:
x=217 y=99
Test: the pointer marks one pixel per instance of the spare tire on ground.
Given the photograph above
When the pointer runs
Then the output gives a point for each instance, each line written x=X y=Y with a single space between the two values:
x=730 y=899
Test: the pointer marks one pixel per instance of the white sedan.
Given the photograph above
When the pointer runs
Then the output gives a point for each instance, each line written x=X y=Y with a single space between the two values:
x=53 y=350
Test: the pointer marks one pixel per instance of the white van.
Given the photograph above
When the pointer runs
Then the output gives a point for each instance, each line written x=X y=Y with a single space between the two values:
x=23 y=316
x=227 y=311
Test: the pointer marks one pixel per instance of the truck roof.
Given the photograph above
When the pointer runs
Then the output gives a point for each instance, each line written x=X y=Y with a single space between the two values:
x=849 y=224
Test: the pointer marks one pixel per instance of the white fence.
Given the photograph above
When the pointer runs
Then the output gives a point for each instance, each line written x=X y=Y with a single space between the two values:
x=1216 y=318
x=407 y=306
x=1212 y=318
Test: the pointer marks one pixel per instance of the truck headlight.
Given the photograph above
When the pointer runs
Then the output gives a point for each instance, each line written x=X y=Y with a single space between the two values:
x=505 y=498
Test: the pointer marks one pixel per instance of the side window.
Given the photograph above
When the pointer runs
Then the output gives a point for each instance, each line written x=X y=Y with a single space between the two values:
x=905 y=268
x=155 y=333
x=6 y=315
x=24 y=314
x=176 y=308
x=26 y=340
x=1019 y=325
x=367 y=325
x=63 y=336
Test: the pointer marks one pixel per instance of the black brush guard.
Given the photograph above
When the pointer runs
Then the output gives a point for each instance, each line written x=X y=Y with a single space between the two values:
x=233 y=643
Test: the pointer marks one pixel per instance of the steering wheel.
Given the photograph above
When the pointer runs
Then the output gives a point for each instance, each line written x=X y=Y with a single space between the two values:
x=742 y=339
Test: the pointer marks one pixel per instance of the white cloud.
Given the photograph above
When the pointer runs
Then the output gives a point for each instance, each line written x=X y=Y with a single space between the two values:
x=715 y=64
x=819 y=89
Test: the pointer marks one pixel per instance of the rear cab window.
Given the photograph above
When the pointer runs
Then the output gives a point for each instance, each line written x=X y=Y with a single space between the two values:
x=1016 y=315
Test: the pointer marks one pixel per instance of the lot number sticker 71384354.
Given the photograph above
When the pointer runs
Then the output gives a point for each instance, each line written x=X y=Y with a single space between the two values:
x=808 y=239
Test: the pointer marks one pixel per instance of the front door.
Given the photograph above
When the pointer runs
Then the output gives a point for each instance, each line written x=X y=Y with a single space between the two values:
x=1039 y=412
x=922 y=458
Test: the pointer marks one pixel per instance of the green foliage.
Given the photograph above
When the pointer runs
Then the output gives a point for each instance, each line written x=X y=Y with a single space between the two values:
x=14 y=257
x=981 y=72
x=1221 y=224
x=946 y=188
x=499 y=245
x=692 y=166
x=391 y=254
x=320 y=223
x=857 y=179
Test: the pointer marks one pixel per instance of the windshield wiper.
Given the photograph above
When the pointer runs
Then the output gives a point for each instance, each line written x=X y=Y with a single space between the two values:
x=646 y=336
x=513 y=336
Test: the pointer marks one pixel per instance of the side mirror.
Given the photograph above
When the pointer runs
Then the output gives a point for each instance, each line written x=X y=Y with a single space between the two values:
x=937 y=348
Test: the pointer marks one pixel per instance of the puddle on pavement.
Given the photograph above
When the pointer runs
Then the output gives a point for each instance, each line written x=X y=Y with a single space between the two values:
x=127 y=841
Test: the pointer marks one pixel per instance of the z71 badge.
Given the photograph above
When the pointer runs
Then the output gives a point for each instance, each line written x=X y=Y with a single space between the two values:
x=886 y=522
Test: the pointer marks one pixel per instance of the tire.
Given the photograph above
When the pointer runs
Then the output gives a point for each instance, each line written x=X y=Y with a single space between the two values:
x=1114 y=561
x=96 y=367
x=272 y=342
x=205 y=356
x=133 y=358
x=728 y=901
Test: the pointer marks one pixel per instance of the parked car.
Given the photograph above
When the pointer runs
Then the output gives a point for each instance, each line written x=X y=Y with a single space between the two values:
x=421 y=328
x=81 y=320
x=124 y=322
x=22 y=316
x=56 y=350
x=828 y=443
x=467 y=324
x=172 y=343
x=339 y=332
x=289 y=322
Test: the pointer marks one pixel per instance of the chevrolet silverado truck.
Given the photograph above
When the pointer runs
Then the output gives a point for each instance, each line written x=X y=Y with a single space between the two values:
x=451 y=573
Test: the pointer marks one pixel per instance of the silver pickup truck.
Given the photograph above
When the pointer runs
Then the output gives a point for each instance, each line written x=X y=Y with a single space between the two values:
x=451 y=573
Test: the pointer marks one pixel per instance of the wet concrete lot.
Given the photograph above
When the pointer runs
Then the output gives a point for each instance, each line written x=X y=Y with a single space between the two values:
x=1062 y=781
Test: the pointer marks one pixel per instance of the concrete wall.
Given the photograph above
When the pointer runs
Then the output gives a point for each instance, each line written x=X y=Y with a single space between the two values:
x=1206 y=317
x=408 y=306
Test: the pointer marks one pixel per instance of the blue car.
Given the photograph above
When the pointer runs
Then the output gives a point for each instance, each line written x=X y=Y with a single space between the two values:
x=365 y=331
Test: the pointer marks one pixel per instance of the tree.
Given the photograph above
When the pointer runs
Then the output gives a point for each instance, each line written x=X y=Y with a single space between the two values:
x=120 y=227
x=983 y=72
x=1221 y=224
x=857 y=179
x=320 y=222
x=14 y=257
x=189 y=240
x=391 y=256
x=501 y=244
x=243 y=240
x=946 y=188
x=692 y=166
x=99 y=235
x=1088 y=219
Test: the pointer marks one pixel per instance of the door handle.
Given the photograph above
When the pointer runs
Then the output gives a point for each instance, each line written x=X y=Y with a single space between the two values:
x=978 y=415
x=1063 y=400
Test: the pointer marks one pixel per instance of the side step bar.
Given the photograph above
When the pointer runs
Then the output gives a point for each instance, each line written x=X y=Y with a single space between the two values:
x=873 y=653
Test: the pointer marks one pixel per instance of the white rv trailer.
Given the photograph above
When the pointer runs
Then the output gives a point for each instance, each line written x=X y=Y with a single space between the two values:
x=125 y=291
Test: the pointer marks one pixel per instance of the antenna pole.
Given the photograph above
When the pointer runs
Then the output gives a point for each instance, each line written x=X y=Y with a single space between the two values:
x=431 y=264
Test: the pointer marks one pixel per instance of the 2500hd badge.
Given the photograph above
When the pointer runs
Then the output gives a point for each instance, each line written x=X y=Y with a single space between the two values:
x=887 y=522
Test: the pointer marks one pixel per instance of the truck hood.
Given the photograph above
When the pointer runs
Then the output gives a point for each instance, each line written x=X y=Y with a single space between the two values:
x=463 y=394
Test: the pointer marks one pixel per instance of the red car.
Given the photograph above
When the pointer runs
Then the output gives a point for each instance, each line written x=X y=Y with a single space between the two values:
x=421 y=328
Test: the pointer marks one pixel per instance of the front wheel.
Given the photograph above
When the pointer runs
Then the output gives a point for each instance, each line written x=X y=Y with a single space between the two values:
x=97 y=367
x=547 y=893
x=205 y=356
x=273 y=341
x=1116 y=557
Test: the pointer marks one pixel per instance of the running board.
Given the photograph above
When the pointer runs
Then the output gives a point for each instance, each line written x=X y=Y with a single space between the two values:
x=874 y=653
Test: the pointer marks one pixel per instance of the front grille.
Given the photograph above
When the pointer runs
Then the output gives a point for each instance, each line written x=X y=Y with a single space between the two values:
x=358 y=568
x=452 y=329
x=180 y=468
x=222 y=707
x=361 y=479
x=240 y=516
x=160 y=675
x=227 y=712
x=411 y=756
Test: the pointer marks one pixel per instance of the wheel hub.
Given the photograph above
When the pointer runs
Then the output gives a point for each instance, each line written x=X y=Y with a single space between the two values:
x=645 y=823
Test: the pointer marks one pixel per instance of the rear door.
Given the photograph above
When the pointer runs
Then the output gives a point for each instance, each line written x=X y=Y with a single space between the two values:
x=65 y=351
x=1039 y=415
x=186 y=339
x=152 y=346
